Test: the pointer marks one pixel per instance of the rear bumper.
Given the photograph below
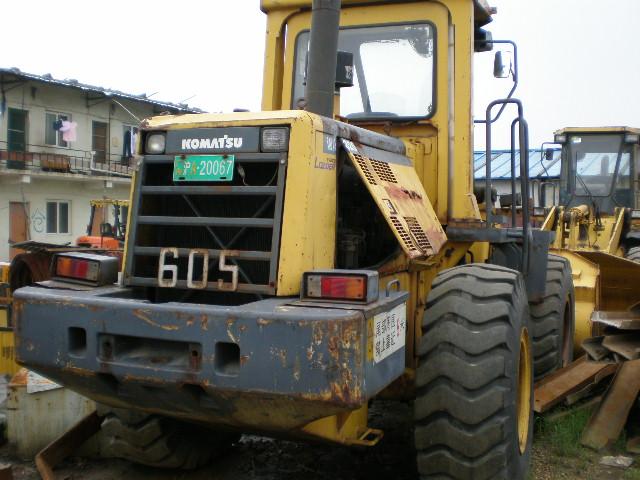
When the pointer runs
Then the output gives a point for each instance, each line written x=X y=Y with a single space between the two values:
x=268 y=365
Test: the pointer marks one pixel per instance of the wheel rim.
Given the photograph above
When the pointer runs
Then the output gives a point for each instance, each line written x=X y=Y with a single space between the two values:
x=525 y=372
x=567 y=335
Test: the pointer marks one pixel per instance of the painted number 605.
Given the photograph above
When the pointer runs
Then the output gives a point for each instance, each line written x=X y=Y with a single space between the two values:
x=172 y=270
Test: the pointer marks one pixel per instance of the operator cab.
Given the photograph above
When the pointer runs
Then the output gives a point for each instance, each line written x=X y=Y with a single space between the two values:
x=598 y=167
x=393 y=71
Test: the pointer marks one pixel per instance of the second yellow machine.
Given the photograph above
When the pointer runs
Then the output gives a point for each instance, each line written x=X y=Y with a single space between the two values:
x=597 y=219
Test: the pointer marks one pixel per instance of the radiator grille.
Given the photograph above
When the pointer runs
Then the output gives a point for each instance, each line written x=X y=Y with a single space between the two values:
x=241 y=217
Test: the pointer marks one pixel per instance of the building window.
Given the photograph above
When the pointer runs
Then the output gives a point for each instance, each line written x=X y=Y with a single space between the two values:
x=52 y=133
x=58 y=216
x=99 y=140
x=129 y=137
x=17 y=130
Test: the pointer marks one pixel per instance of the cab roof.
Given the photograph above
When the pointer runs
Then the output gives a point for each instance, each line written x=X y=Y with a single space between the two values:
x=483 y=11
x=585 y=130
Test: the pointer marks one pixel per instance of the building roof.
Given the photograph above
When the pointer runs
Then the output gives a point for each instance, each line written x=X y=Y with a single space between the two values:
x=501 y=164
x=13 y=75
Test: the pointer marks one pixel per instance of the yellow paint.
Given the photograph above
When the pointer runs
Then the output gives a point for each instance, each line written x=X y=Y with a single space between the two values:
x=403 y=202
x=586 y=281
x=587 y=130
x=525 y=375
x=349 y=428
x=8 y=365
x=439 y=150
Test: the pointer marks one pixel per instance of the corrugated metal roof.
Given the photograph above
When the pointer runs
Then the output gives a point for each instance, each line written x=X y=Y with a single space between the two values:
x=501 y=164
x=16 y=74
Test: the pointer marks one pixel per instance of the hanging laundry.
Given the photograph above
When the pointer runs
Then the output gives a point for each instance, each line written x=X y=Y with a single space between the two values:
x=68 y=130
x=57 y=125
x=134 y=139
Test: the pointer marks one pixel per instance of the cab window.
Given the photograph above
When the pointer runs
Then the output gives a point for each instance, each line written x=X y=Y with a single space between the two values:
x=393 y=71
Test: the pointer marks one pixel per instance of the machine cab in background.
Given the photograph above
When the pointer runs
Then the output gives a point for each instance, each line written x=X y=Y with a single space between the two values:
x=599 y=167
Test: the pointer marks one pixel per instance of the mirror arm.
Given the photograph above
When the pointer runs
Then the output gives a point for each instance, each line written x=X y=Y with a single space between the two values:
x=515 y=79
x=542 y=159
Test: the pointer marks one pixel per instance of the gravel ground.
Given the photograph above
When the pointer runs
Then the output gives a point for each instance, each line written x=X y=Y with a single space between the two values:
x=258 y=458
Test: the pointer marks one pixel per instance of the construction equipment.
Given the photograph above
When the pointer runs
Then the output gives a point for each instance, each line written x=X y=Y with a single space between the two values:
x=284 y=267
x=597 y=223
x=34 y=264
x=109 y=236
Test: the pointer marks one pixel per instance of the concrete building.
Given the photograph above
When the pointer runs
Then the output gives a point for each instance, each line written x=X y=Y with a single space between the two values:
x=63 y=143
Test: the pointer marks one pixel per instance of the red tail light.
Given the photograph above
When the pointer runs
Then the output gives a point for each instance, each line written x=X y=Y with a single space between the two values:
x=341 y=285
x=85 y=268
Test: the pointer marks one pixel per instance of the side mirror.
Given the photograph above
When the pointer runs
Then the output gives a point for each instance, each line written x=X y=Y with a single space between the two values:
x=500 y=69
x=344 y=70
x=548 y=154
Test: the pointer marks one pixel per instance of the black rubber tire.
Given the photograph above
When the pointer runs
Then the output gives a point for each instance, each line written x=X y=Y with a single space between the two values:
x=633 y=254
x=553 y=320
x=465 y=411
x=160 y=441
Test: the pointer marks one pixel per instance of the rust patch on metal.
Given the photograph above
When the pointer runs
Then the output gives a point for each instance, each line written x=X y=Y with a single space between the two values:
x=144 y=316
x=281 y=353
x=82 y=372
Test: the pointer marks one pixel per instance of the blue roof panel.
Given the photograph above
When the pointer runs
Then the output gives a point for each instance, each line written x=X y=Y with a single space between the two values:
x=501 y=164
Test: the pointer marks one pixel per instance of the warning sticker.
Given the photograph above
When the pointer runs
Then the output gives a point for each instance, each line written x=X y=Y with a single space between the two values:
x=389 y=332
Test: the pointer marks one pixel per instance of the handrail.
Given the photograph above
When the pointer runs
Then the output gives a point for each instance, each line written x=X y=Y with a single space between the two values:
x=523 y=138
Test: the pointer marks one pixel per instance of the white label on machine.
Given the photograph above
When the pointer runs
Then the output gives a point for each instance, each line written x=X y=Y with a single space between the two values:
x=389 y=332
x=38 y=383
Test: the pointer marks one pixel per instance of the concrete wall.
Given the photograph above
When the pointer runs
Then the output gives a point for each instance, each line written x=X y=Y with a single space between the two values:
x=43 y=189
x=36 y=186
x=38 y=98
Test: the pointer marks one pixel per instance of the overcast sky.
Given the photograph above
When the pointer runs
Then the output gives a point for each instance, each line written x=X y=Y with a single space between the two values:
x=578 y=58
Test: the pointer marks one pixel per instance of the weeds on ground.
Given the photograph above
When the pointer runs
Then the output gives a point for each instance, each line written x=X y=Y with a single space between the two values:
x=632 y=474
x=563 y=435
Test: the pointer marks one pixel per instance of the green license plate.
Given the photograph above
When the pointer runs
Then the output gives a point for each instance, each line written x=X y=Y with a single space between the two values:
x=203 y=168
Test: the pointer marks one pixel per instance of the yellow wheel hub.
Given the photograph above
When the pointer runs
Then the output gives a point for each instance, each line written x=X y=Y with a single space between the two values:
x=525 y=372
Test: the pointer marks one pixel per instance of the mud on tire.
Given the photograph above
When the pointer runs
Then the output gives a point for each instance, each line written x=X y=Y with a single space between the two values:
x=553 y=320
x=472 y=375
x=159 y=441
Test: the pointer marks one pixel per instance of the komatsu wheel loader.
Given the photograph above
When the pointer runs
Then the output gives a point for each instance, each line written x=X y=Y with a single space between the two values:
x=285 y=267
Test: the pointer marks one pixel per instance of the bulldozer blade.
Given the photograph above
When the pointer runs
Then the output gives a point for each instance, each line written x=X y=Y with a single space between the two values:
x=619 y=280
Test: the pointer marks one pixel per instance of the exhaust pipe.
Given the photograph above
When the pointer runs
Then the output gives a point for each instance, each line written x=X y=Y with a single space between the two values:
x=323 y=53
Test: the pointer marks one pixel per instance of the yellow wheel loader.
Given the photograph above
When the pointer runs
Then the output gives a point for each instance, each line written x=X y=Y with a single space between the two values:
x=597 y=219
x=285 y=267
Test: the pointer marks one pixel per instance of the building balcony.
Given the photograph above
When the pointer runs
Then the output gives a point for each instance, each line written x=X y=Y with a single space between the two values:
x=47 y=159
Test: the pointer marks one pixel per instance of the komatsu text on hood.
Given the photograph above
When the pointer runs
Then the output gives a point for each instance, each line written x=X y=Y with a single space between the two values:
x=213 y=140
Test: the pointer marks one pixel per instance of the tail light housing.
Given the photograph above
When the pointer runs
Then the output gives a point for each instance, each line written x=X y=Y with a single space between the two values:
x=353 y=286
x=85 y=268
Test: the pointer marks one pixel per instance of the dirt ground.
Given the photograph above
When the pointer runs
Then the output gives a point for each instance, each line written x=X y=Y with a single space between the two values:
x=556 y=455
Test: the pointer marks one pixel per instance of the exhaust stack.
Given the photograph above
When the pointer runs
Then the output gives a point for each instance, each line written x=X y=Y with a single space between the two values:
x=323 y=52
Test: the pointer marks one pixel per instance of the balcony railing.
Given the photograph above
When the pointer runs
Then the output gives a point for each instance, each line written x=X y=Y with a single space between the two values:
x=45 y=158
